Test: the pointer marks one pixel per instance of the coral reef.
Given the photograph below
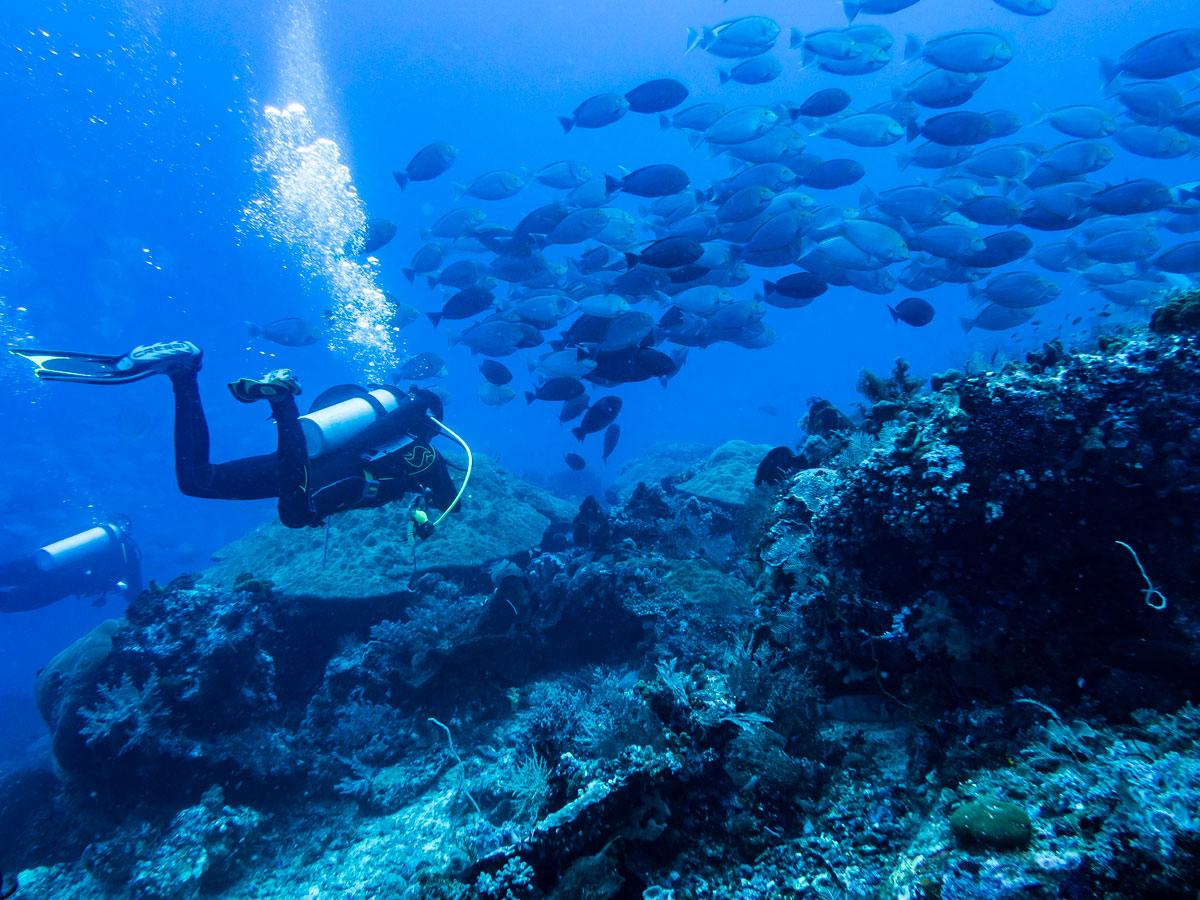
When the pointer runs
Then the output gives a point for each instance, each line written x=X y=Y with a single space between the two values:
x=995 y=537
x=950 y=656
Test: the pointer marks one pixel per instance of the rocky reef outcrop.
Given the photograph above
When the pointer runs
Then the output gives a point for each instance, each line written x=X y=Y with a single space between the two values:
x=948 y=653
x=368 y=554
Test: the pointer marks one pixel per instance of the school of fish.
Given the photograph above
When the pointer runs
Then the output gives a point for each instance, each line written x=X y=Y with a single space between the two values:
x=618 y=277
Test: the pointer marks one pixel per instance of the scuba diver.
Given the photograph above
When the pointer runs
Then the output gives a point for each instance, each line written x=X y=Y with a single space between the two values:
x=357 y=447
x=94 y=563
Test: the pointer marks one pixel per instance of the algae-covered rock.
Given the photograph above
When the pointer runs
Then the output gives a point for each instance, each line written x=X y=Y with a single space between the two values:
x=68 y=682
x=659 y=462
x=706 y=585
x=991 y=825
x=369 y=554
x=727 y=476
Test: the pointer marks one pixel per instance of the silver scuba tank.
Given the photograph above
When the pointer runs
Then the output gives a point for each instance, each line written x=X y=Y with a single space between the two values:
x=334 y=426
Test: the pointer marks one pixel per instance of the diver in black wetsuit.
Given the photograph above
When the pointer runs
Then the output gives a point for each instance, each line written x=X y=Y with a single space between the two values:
x=387 y=458
x=94 y=563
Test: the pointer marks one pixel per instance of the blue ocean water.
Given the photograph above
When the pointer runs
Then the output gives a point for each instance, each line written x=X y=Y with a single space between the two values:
x=138 y=135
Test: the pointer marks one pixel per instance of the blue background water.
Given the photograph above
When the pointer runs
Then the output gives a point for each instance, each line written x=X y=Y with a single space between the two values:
x=129 y=131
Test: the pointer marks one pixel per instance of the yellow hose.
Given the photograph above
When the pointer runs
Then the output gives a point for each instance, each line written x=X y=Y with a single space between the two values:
x=466 y=476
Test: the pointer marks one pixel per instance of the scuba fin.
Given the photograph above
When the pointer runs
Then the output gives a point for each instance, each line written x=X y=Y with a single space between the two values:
x=96 y=368
x=68 y=365
x=273 y=385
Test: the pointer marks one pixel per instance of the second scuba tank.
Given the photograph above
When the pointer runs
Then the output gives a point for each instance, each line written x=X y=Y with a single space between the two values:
x=334 y=426
x=76 y=547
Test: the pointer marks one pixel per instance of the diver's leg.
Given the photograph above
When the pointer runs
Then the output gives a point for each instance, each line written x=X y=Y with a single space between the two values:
x=18 y=572
x=280 y=388
x=295 y=506
x=253 y=478
x=193 y=470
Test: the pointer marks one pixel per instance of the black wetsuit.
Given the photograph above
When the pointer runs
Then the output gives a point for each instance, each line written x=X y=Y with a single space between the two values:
x=391 y=460
x=116 y=568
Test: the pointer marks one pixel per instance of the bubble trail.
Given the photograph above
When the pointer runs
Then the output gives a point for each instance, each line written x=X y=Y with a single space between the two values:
x=310 y=205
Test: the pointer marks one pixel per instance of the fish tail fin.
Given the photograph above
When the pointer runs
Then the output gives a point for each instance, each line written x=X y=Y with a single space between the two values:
x=567 y=123
x=912 y=130
x=253 y=329
x=664 y=121
x=895 y=316
x=723 y=76
x=695 y=139
x=1109 y=70
x=432 y=281
x=807 y=58
x=529 y=398
x=967 y=324
x=611 y=184
x=579 y=434
x=434 y=318
x=459 y=189
x=409 y=274
x=867 y=197
x=795 y=38
x=903 y=159
x=1039 y=114
x=769 y=287
x=631 y=260
x=693 y=40
x=912 y=47
x=401 y=179
x=852 y=9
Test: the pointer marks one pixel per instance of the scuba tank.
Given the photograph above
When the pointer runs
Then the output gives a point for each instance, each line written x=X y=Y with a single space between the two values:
x=92 y=542
x=332 y=423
